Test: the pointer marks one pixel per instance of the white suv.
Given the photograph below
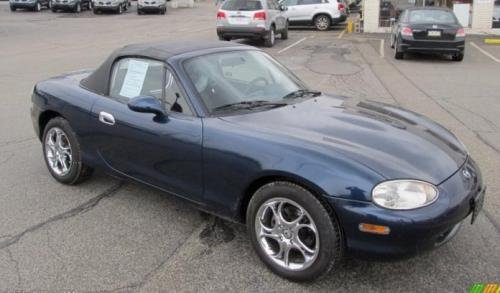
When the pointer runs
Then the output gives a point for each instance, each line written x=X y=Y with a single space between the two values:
x=320 y=13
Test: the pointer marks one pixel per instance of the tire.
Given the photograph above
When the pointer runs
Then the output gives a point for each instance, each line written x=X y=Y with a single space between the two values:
x=125 y=7
x=270 y=38
x=322 y=22
x=164 y=11
x=327 y=246
x=392 y=42
x=119 y=9
x=49 y=4
x=38 y=7
x=398 y=54
x=53 y=10
x=76 y=172
x=89 y=5
x=78 y=8
x=284 y=33
x=95 y=10
x=139 y=12
x=12 y=9
x=458 y=57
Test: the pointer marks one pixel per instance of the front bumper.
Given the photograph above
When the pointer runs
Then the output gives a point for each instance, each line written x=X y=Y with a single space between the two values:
x=149 y=8
x=409 y=44
x=25 y=5
x=63 y=6
x=412 y=231
x=233 y=32
x=106 y=7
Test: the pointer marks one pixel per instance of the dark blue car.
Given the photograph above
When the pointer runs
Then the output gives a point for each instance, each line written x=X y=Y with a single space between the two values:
x=228 y=128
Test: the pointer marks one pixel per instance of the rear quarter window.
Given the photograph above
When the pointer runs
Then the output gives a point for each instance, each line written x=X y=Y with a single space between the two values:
x=242 y=5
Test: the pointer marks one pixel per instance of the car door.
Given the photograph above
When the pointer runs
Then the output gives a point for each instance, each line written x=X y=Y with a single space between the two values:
x=307 y=9
x=292 y=12
x=163 y=152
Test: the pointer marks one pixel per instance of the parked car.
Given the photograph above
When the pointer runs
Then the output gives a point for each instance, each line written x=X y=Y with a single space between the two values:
x=35 y=5
x=496 y=14
x=71 y=5
x=227 y=128
x=118 y=6
x=320 y=13
x=256 y=19
x=428 y=30
x=159 y=6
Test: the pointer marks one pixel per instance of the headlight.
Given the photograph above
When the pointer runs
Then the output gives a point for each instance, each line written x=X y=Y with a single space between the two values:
x=404 y=194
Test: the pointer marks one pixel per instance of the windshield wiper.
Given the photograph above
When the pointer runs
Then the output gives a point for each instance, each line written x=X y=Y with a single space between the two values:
x=248 y=105
x=301 y=93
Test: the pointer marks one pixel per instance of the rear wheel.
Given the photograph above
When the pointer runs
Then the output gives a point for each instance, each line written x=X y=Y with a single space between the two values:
x=294 y=234
x=458 y=57
x=62 y=153
x=120 y=9
x=270 y=38
x=322 y=22
x=78 y=8
x=38 y=7
x=397 y=53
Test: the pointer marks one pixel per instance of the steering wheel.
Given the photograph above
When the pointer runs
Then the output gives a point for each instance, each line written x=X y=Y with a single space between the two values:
x=254 y=84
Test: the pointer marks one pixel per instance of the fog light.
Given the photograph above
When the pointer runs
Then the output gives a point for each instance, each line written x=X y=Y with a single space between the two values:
x=375 y=229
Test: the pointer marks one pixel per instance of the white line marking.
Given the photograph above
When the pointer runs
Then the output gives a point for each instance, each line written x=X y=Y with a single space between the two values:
x=484 y=52
x=382 y=45
x=341 y=34
x=292 y=45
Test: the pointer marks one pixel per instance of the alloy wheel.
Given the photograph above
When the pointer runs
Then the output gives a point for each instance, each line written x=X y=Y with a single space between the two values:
x=58 y=151
x=287 y=234
x=322 y=23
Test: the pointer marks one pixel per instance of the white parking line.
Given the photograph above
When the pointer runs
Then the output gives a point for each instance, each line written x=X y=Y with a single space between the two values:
x=382 y=45
x=341 y=34
x=485 y=52
x=292 y=45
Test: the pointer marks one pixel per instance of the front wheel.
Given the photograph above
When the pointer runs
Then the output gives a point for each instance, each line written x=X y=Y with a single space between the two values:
x=458 y=57
x=322 y=22
x=78 y=8
x=38 y=7
x=293 y=233
x=62 y=153
x=120 y=9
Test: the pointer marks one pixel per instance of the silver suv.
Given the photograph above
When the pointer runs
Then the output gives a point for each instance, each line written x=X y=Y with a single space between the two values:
x=257 y=19
x=321 y=13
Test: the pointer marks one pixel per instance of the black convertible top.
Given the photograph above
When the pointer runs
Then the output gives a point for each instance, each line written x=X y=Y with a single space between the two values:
x=98 y=80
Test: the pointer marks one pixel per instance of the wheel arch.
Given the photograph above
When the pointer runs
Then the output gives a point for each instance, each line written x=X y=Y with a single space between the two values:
x=264 y=179
x=322 y=13
x=44 y=118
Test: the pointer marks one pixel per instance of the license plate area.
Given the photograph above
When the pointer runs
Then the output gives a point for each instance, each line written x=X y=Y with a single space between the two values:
x=434 y=34
x=477 y=206
x=239 y=20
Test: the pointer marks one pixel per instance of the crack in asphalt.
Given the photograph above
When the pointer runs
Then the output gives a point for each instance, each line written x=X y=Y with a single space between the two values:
x=140 y=284
x=16 y=267
x=81 y=209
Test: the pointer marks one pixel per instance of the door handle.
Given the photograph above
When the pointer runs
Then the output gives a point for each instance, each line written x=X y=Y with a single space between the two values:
x=106 y=118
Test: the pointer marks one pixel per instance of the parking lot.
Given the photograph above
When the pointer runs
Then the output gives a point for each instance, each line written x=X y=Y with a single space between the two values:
x=107 y=235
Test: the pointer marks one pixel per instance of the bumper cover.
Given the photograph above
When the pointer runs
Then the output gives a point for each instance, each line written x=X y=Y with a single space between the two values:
x=151 y=8
x=432 y=46
x=23 y=5
x=412 y=231
x=253 y=32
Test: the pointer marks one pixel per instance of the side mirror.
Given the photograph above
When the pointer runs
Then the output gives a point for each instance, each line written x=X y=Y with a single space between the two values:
x=283 y=7
x=147 y=104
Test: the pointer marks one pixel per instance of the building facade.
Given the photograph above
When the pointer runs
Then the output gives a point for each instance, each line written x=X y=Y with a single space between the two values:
x=477 y=16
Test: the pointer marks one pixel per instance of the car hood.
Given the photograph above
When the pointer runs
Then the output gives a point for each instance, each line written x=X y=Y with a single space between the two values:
x=391 y=141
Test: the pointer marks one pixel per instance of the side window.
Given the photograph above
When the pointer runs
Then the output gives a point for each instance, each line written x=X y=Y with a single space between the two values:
x=175 y=101
x=308 y=2
x=133 y=77
x=290 y=2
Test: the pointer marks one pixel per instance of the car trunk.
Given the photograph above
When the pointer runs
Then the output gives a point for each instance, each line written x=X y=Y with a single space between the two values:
x=434 y=32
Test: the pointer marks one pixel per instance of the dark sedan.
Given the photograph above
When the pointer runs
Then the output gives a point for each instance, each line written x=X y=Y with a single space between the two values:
x=428 y=30
x=229 y=129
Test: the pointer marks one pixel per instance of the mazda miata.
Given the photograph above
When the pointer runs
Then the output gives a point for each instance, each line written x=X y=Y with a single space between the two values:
x=231 y=130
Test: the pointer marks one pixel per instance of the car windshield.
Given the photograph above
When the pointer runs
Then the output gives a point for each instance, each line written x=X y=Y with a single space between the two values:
x=432 y=16
x=242 y=5
x=242 y=78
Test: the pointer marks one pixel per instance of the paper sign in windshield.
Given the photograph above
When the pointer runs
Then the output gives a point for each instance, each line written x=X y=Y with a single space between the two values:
x=132 y=84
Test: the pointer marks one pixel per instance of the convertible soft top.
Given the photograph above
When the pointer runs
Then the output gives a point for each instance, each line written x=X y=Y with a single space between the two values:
x=98 y=80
